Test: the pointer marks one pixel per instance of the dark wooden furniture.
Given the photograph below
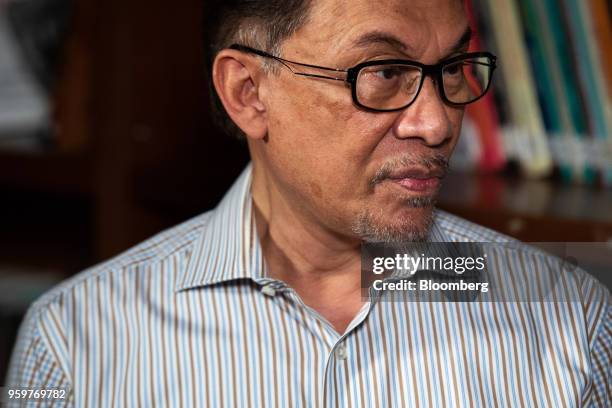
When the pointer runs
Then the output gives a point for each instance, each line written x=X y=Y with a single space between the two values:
x=531 y=210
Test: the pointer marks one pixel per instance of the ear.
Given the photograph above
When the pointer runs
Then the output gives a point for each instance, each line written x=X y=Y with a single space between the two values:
x=235 y=76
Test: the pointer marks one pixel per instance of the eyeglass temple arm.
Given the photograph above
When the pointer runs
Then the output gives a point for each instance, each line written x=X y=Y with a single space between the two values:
x=286 y=63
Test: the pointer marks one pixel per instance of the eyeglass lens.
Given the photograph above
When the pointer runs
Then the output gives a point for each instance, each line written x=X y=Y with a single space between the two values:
x=390 y=86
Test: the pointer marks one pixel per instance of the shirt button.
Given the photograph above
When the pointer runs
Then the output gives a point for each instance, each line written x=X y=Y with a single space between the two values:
x=268 y=290
x=341 y=353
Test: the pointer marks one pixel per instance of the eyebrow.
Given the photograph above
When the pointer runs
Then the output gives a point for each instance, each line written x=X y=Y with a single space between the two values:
x=464 y=40
x=379 y=37
x=384 y=38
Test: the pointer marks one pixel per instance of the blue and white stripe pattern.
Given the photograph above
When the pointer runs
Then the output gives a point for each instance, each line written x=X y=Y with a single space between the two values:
x=189 y=319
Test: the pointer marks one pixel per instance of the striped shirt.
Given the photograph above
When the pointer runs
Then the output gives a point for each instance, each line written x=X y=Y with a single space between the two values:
x=189 y=318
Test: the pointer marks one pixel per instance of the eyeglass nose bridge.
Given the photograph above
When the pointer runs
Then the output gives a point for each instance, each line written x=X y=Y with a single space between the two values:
x=432 y=71
x=435 y=73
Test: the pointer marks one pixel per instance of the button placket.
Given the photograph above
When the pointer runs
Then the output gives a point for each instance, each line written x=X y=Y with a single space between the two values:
x=341 y=352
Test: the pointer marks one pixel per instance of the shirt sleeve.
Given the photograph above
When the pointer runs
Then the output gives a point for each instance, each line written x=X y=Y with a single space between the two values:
x=601 y=359
x=34 y=363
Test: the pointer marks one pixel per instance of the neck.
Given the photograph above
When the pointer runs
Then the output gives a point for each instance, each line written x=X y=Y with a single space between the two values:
x=322 y=267
x=293 y=241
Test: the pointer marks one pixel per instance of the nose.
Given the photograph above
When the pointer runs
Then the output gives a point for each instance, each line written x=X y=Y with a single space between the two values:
x=426 y=119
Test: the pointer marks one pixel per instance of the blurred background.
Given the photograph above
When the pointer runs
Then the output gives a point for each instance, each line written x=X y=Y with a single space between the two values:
x=105 y=136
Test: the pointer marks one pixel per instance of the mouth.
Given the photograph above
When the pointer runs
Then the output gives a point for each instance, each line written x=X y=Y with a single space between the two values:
x=417 y=180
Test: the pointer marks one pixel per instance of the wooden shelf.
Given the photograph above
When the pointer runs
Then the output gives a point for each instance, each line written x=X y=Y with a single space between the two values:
x=530 y=210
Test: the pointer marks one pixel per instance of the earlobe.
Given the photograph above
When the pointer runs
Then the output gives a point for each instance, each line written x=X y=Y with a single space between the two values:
x=235 y=77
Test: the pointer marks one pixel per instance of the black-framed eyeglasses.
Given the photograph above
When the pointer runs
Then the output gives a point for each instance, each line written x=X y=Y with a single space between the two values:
x=394 y=84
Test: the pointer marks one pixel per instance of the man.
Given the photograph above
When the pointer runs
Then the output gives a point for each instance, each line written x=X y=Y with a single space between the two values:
x=259 y=302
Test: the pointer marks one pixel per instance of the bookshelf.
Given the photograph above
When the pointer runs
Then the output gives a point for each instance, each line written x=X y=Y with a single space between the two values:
x=552 y=89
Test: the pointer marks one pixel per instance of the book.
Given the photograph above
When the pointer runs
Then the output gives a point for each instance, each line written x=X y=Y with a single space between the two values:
x=486 y=39
x=534 y=31
x=601 y=17
x=525 y=112
x=484 y=115
x=559 y=69
x=590 y=79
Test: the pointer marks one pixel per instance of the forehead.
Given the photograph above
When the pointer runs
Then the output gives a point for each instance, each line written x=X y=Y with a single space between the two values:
x=422 y=26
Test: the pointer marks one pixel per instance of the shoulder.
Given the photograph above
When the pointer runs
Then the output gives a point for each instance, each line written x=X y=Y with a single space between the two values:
x=458 y=229
x=173 y=244
x=80 y=307
x=548 y=266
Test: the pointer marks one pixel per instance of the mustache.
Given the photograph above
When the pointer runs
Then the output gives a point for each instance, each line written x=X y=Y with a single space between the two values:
x=436 y=162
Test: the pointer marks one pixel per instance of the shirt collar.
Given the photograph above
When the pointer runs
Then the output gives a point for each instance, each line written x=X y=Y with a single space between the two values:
x=228 y=247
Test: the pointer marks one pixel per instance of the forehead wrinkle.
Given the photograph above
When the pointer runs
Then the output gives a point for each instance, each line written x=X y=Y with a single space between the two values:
x=376 y=37
x=338 y=26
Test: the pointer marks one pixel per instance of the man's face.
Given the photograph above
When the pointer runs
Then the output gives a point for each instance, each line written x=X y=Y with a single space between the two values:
x=352 y=171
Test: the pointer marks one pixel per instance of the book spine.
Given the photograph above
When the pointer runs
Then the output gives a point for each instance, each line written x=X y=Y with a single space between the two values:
x=534 y=153
x=589 y=79
x=485 y=115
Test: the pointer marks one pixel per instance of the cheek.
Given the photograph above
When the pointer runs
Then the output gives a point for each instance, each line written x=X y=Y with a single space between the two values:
x=325 y=142
x=456 y=118
x=343 y=142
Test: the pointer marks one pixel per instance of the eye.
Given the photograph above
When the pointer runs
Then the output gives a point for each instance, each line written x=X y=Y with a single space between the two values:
x=453 y=69
x=388 y=72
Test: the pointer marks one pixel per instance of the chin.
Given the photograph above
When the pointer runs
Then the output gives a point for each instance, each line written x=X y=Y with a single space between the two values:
x=411 y=223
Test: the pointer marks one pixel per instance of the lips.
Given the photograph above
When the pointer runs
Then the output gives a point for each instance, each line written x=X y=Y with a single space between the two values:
x=414 y=184
x=418 y=180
